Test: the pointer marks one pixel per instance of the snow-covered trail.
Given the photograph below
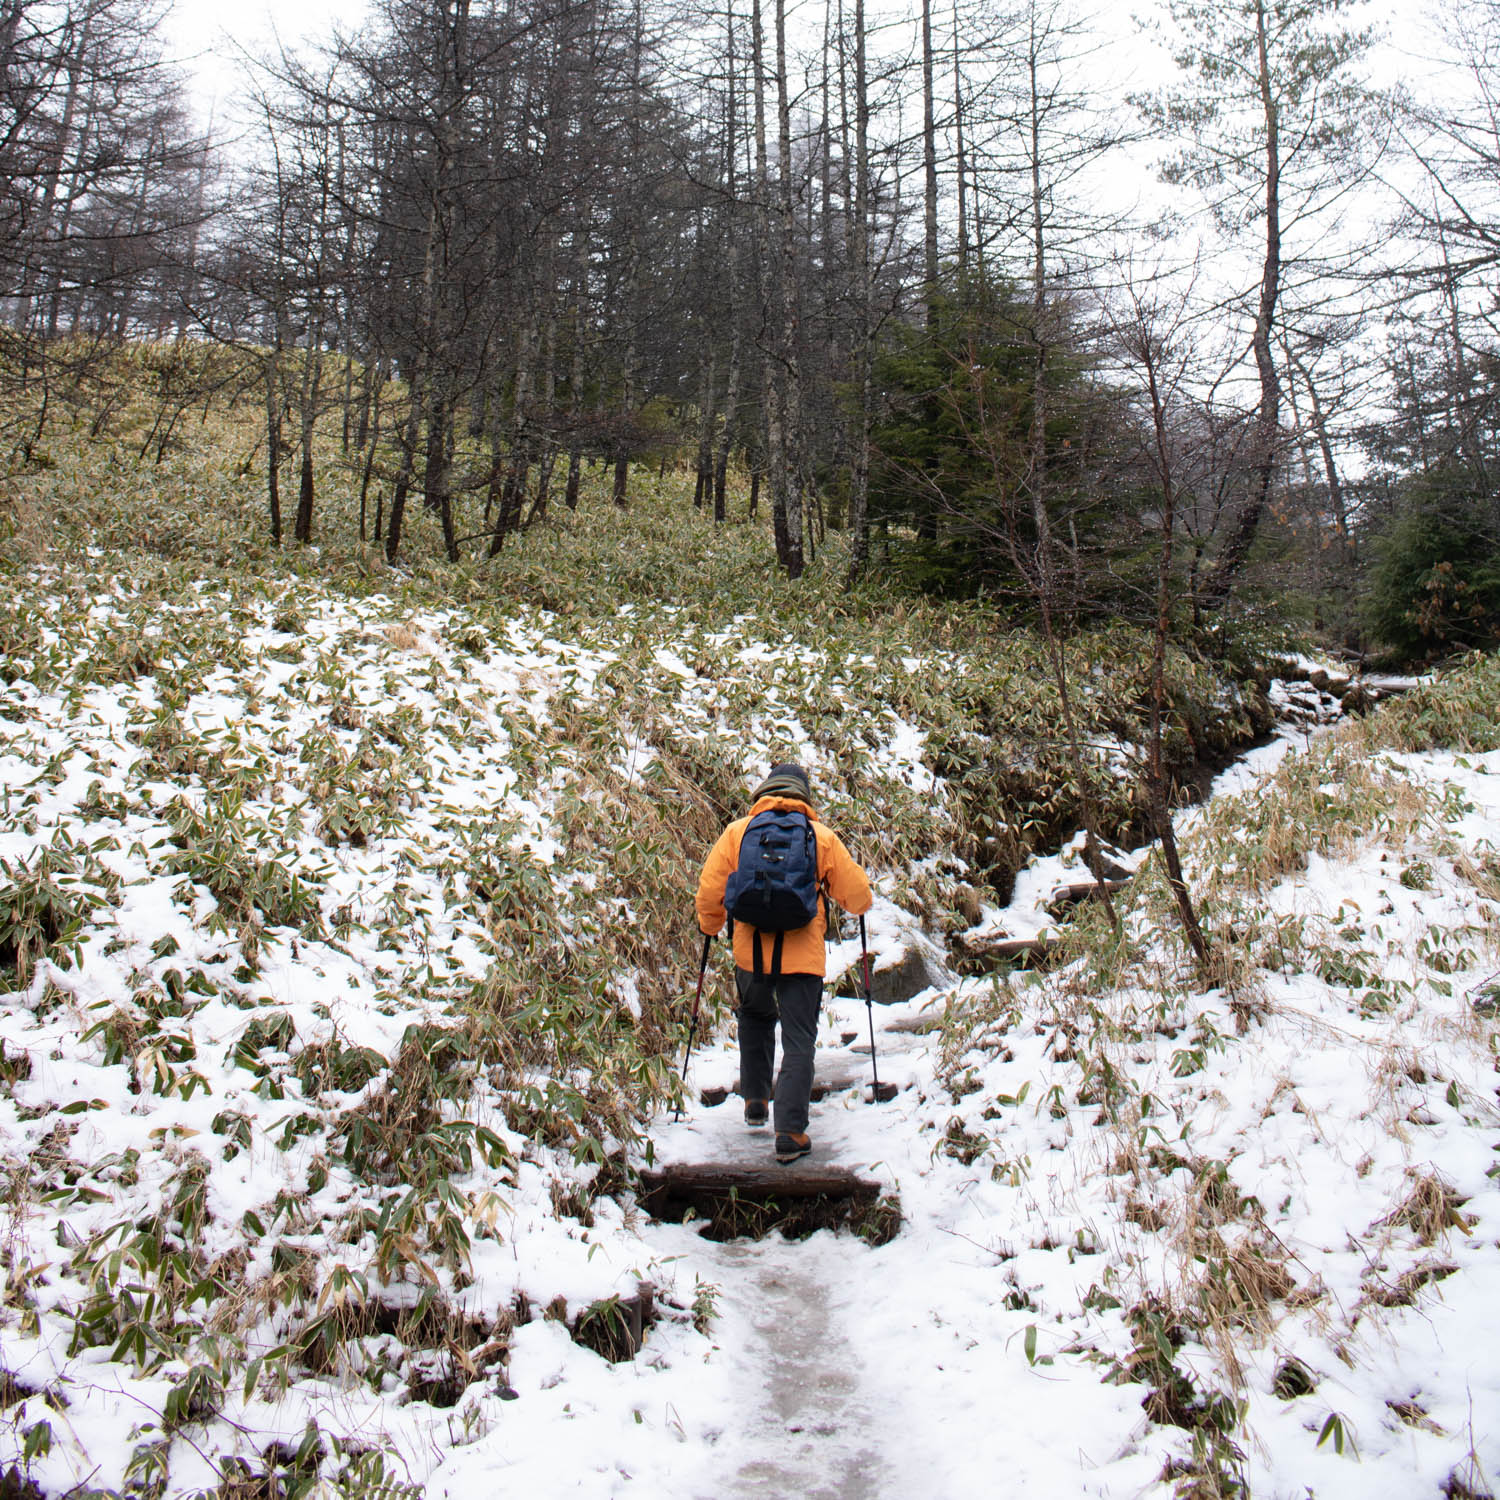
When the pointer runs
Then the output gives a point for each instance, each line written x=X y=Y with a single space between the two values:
x=810 y=1414
x=811 y=1363
x=810 y=1427
x=852 y=1372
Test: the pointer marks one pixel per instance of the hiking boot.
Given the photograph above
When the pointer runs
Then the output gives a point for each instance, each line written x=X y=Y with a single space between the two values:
x=790 y=1145
x=757 y=1113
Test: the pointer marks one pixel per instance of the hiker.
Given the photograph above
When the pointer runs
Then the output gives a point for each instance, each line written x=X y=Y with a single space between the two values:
x=778 y=865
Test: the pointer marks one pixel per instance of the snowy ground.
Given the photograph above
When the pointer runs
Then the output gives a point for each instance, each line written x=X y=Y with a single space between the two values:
x=971 y=1355
x=1272 y=1204
x=974 y=1353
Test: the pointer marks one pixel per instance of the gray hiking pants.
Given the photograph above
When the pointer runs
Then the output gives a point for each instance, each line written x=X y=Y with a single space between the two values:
x=794 y=1000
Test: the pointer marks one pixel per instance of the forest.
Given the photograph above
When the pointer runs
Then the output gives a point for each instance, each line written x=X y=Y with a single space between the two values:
x=933 y=286
x=441 y=481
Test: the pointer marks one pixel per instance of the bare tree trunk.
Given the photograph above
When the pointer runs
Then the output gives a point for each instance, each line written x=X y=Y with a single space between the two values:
x=1331 y=476
x=576 y=368
x=707 y=388
x=369 y=440
x=1232 y=559
x=312 y=374
x=859 y=254
x=787 y=478
x=929 y=171
x=416 y=382
x=273 y=441
x=962 y=160
x=404 y=474
x=366 y=397
x=772 y=390
x=736 y=316
x=45 y=227
x=437 y=492
x=546 y=438
x=1461 y=414
x=1156 y=776
x=632 y=292
x=518 y=469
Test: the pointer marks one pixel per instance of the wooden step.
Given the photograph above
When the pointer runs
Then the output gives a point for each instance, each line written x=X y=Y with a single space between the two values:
x=748 y=1198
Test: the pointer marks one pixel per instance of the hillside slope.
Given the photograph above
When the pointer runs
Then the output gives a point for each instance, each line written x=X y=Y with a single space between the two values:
x=347 y=942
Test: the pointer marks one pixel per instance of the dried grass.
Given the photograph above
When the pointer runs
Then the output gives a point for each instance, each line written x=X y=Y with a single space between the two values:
x=1403 y=1291
x=28 y=526
x=402 y=637
x=1429 y=1210
x=1237 y=1287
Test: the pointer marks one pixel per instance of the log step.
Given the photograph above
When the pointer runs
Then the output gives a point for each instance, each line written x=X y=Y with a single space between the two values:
x=735 y=1199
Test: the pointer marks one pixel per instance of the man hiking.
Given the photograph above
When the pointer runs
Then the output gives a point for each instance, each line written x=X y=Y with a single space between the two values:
x=770 y=874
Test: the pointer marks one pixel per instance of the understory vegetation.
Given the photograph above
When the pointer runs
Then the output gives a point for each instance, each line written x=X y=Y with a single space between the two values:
x=345 y=936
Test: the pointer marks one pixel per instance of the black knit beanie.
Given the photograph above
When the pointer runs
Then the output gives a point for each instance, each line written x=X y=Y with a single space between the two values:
x=785 y=781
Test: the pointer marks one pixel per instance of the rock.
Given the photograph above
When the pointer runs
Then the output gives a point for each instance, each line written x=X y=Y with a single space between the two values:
x=916 y=970
x=1328 y=682
x=835 y=1080
x=713 y=1096
x=918 y=1025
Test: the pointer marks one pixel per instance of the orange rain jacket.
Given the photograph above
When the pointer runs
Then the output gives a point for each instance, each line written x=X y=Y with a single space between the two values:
x=838 y=876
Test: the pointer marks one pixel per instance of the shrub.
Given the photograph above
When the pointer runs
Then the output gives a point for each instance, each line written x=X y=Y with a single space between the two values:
x=1436 y=586
x=44 y=905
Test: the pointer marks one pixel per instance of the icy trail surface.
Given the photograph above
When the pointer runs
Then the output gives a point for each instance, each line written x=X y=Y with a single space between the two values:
x=809 y=1426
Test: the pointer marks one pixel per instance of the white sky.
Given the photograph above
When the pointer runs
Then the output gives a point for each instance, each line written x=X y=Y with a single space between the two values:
x=207 y=33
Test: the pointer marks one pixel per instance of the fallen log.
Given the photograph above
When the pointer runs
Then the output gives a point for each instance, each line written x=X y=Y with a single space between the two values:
x=983 y=951
x=1083 y=890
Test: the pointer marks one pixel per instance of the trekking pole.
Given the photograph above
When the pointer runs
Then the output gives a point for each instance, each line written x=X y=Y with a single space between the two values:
x=880 y=1092
x=693 y=1028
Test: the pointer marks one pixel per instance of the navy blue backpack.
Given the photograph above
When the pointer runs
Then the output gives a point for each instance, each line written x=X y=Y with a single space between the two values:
x=775 y=886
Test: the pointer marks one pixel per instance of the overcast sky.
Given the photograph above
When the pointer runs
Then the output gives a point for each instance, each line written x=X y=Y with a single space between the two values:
x=206 y=32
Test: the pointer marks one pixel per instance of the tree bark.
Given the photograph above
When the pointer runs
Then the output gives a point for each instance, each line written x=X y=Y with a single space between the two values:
x=929 y=171
x=787 y=475
x=859 y=255
x=273 y=442
x=1236 y=552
